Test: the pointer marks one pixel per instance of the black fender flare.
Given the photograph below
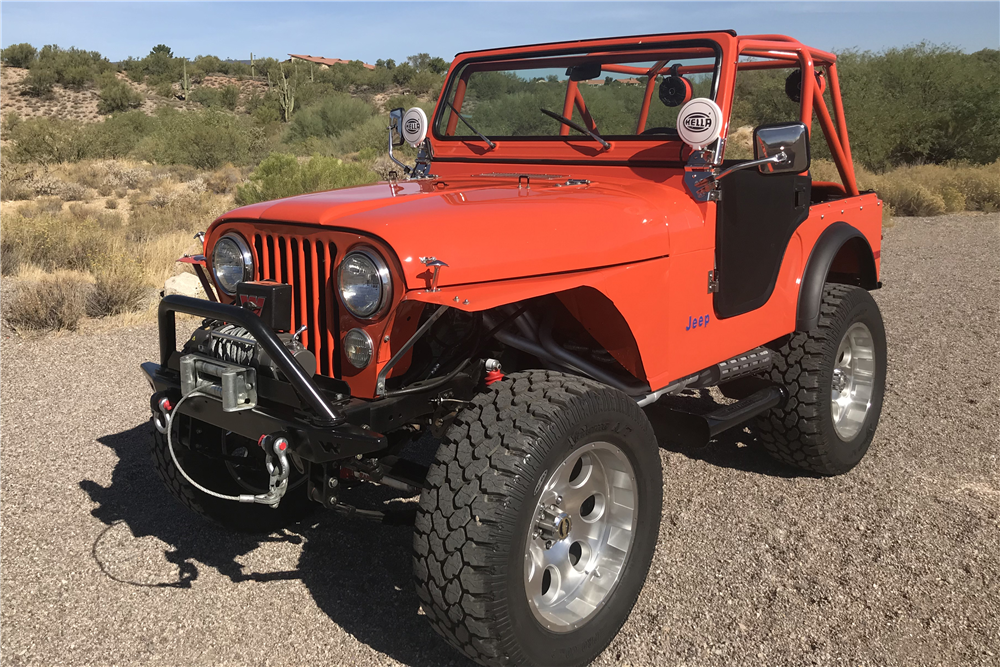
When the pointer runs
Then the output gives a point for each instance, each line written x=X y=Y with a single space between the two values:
x=817 y=268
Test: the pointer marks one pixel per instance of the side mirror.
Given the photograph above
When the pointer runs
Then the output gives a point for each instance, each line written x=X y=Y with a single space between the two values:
x=396 y=123
x=792 y=139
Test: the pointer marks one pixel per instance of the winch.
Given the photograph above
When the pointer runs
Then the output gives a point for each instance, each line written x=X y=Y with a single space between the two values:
x=223 y=359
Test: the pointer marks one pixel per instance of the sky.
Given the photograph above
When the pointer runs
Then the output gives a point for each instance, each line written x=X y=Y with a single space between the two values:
x=373 y=30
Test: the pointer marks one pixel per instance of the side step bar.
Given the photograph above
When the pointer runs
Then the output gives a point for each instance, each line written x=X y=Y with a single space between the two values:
x=757 y=360
x=699 y=429
x=737 y=413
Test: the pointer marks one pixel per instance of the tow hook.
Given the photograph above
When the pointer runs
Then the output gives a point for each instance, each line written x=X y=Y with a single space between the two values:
x=275 y=448
x=163 y=408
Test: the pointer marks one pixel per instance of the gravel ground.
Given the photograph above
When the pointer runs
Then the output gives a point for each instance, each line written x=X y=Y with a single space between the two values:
x=896 y=563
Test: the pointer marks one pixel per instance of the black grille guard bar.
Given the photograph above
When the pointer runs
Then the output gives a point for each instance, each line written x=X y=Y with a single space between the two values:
x=279 y=354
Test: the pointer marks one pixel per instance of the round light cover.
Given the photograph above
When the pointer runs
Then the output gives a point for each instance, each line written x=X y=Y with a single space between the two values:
x=358 y=348
x=363 y=282
x=232 y=262
x=699 y=123
x=414 y=126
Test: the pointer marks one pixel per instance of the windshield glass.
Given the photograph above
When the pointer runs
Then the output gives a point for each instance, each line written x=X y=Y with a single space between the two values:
x=619 y=95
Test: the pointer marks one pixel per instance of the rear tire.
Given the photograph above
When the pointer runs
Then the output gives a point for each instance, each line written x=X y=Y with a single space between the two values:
x=835 y=376
x=213 y=473
x=477 y=539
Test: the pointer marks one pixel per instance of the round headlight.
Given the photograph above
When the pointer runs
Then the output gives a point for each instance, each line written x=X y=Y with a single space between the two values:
x=232 y=262
x=364 y=283
x=358 y=348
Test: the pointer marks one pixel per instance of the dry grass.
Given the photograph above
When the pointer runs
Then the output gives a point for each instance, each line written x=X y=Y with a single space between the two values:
x=927 y=190
x=48 y=301
x=122 y=248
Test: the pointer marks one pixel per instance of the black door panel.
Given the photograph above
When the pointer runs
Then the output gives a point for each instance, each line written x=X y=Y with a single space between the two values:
x=757 y=215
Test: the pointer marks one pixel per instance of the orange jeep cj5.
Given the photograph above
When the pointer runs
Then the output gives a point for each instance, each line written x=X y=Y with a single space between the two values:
x=574 y=241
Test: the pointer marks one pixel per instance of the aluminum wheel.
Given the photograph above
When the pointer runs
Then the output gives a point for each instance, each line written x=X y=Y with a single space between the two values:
x=853 y=381
x=579 y=541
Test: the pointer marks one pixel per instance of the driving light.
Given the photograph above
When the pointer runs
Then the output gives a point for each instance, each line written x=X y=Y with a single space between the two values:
x=358 y=348
x=364 y=283
x=232 y=262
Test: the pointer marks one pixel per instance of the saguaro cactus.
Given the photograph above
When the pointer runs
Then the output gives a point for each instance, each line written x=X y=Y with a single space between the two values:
x=286 y=97
x=185 y=83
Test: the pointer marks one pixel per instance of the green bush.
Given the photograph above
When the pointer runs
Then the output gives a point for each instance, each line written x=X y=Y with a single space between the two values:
x=282 y=175
x=329 y=117
x=39 y=81
x=118 y=96
x=205 y=96
x=117 y=136
x=47 y=140
x=230 y=97
x=164 y=89
x=206 y=140
x=19 y=55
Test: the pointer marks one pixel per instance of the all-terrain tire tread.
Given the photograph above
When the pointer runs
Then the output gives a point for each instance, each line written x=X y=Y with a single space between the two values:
x=792 y=433
x=472 y=501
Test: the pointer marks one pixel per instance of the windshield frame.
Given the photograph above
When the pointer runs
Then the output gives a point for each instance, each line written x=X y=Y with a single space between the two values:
x=439 y=122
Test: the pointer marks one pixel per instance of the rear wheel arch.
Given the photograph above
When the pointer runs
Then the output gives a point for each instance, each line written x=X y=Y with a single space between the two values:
x=840 y=255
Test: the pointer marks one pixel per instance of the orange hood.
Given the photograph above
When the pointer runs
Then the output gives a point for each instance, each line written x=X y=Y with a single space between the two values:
x=490 y=229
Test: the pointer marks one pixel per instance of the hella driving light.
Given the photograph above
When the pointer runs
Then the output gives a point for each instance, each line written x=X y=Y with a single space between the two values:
x=232 y=262
x=363 y=282
x=358 y=348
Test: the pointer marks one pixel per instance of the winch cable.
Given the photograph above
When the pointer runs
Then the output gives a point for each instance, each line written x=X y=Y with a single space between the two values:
x=233 y=351
x=169 y=418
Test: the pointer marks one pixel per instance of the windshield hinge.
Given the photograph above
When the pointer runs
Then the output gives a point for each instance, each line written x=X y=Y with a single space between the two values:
x=713 y=281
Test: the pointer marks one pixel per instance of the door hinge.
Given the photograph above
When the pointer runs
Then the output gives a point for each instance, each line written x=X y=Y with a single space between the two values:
x=713 y=281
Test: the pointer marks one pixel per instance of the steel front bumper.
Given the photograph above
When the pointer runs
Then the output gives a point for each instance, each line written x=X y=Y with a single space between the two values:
x=322 y=423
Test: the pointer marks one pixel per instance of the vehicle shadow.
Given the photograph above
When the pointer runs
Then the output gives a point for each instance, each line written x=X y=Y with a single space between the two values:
x=358 y=572
x=737 y=448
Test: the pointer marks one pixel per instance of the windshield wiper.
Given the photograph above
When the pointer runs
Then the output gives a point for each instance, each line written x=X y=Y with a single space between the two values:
x=469 y=125
x=578 y=128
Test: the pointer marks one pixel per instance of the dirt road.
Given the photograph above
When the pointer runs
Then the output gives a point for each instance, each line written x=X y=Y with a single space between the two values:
x=896 y=563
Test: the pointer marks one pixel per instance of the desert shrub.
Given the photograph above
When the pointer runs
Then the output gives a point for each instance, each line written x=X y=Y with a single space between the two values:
x=224 y=180
x=206 y=140
x=11 y=259
x=50 y=302
x=39 y=81
x=72 y=67
x=123 y=177
x=15 y=179
x=111 y=203
x=282 y=175
x=426 y=82
x=371 y=135
x=46 y=140
x=205 y=96
x=118 y=96
x=56 y=239
x=164 y=89
x=229 y=97
x=329 y=117
x=11 y=120
x=19 y=55
x=119 y=287
x=403 y=102
x=118 y=136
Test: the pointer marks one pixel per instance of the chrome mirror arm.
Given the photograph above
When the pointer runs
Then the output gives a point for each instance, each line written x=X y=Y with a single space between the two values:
x=777 y=158
x=406 y=169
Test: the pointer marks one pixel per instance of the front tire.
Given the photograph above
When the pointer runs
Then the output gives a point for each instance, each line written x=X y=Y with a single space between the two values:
x=509 y=572
x=835 y=376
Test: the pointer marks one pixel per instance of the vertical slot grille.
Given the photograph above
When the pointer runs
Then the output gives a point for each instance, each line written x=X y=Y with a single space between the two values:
x=306 y=265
